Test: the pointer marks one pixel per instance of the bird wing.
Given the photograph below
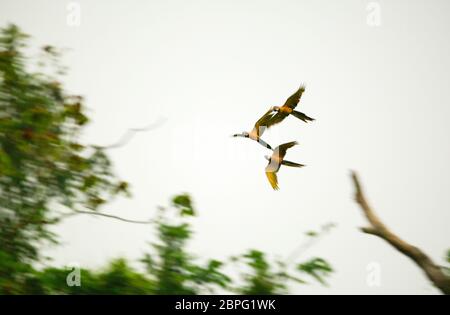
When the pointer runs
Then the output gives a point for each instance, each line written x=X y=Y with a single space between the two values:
x=261 y=124
x=302 y=116
x=276 y=119
x=293 y=100
x=281 y=150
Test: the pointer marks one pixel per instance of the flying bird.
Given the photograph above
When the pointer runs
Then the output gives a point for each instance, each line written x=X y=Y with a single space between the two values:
x=275 y=162
x=258 y=129
x=289 y=109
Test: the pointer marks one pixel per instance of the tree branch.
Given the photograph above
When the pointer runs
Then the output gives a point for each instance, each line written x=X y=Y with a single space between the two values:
x=76 y=212
x=308 y=243
x=434 y=272
x=130 y=133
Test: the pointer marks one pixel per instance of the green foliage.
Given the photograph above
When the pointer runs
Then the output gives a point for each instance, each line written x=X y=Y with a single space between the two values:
x=326 y=228
x=261 y=279
x=43 y=166
x=120 y=278
x=267 y=278
x=171 y=269
x=317 y=268
x=311 y=234
x=14 y=274
x=184 y=204
x=117 y=278
x=171 y=266
x=41 y=161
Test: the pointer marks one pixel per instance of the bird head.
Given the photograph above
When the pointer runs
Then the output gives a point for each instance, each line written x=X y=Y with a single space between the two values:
x=275 y=108
x=244 y=134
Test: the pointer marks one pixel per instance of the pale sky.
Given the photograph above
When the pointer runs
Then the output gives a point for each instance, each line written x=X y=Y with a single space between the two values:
x=212 y=68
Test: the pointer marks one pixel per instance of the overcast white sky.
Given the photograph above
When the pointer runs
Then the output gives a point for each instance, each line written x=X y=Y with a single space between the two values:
x=379 y=94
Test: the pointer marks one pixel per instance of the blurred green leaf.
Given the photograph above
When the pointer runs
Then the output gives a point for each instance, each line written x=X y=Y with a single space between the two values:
x=317 y=268
x=184 y=204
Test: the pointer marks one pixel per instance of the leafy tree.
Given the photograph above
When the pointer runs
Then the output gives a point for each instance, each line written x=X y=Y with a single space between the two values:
x=44 y=168
x=318 y=268
x=117 y=278
x=171 y=266
x=261 y=279
x=42 y=163
x=171 y=269
x=265 y=277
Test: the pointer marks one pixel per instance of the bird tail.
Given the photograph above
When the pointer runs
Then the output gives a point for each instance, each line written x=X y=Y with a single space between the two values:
x=292 y=164
x=302 y=116
x=272 y=177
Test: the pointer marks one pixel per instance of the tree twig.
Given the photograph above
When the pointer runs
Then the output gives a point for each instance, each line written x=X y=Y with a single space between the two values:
x=434 y=272
x=130 y=133
x=308 y=243
x=76 y=212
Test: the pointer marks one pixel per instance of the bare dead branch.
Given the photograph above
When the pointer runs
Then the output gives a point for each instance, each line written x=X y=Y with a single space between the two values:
x=130 y=133
x=76 y=212
x=434 y=272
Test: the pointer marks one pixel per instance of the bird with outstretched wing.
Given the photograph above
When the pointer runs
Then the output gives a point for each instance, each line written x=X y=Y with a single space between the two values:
x=289 y=109
x=258 y=130
x=276 y=160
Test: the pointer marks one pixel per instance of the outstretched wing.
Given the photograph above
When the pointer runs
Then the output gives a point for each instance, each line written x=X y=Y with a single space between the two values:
x=302 y=116
x=293 y=100
x=276 y=119
x=281 y=150
x=261 y=124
